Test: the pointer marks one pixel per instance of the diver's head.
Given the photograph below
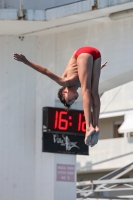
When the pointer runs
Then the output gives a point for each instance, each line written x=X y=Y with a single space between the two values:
x=68 y=95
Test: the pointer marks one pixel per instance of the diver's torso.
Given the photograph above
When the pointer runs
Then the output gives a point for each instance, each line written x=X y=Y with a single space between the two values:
x=72 y=71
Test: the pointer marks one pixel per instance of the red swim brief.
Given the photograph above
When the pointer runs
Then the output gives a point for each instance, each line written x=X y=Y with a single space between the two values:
x=90 y=50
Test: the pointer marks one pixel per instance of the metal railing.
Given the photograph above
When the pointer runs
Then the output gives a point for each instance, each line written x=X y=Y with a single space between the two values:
x=108 y=186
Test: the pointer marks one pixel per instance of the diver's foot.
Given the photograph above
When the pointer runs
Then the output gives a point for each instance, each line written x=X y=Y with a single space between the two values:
x=94 y=139
x=88 y=136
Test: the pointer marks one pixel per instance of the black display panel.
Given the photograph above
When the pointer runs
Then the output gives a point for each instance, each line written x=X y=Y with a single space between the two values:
x=60 y=120
x=64 y=143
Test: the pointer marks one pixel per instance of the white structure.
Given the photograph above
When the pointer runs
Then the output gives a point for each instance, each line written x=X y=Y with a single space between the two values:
x=26 y=172
x=127 y=126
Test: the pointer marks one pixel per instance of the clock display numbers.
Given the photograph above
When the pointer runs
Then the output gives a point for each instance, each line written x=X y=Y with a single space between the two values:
x=57 y=119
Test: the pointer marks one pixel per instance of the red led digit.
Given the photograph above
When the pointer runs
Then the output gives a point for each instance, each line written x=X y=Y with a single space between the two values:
x=79 y=122
x=81 y=125
x=63 y=123
x=70 y=117
x=70 y=124
x=56 y=120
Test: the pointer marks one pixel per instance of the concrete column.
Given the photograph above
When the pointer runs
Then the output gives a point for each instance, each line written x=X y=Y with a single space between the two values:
x=59 y=177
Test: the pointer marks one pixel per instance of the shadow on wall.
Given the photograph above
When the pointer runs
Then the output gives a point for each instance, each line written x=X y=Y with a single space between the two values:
x=130 y=139
x=89 y=165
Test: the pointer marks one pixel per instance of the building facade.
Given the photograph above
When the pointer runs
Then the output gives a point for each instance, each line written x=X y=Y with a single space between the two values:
x=47 y=33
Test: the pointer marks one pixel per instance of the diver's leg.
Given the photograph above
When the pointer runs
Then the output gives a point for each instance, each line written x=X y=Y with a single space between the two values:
x=85 y=65
x=95 y=99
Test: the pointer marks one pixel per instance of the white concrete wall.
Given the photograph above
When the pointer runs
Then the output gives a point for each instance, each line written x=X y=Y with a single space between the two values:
x=70 y=9
x=34 y=4
x=45 y=95
x=108 y=154
x=42 y=5
x=17 y=121
x=106 y=3
x=120 y=98
x=65 y=190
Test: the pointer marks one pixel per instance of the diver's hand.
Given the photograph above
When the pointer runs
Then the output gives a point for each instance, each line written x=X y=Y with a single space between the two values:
x=20 y=57
x=103 y=65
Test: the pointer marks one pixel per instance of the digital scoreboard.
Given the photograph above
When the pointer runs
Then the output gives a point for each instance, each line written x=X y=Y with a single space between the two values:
x=60 y=120
x=63 y=131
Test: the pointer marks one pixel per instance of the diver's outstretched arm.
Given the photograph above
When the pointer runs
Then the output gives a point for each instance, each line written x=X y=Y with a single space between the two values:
x=103 y=65
x=60 y=80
